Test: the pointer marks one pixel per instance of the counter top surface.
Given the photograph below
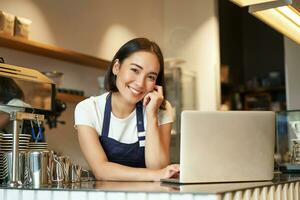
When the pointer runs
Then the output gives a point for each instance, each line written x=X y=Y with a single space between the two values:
x=158 y=187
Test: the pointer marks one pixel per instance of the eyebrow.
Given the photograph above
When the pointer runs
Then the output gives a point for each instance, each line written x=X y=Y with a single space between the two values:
x=154 y=73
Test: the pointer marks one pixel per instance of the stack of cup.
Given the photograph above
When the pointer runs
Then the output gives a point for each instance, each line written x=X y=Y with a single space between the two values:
x=6 y=148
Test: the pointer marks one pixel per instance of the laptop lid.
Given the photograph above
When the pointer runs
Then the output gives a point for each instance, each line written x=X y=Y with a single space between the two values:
x=227 y=146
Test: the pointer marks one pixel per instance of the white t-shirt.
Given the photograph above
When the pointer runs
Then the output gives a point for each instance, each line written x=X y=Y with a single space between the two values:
x=90 y=112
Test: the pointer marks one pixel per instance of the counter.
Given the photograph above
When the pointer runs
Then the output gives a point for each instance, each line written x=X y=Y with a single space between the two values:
x=282 y=187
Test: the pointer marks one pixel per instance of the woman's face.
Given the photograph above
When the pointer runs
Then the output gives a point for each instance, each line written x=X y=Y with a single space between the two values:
x=137 y=75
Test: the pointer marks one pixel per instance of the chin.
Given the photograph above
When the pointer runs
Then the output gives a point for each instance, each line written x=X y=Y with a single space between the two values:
x=136 y=99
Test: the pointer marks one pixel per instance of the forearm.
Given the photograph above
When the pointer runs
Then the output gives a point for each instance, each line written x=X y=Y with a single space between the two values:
x=156 y=152
x=102 y=168
x=116 y=172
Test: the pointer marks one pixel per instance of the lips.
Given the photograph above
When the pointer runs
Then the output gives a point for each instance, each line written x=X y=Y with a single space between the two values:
x=135 y=91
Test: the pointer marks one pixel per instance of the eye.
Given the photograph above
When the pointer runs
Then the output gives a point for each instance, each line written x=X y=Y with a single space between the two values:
x=152 y=78
x=134 y=70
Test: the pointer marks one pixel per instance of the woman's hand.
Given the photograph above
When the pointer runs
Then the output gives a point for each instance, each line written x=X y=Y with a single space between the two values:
x=171 y=171
x=153 y=99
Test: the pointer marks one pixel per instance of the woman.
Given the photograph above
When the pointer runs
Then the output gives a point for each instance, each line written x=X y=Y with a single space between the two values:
x=132 y=121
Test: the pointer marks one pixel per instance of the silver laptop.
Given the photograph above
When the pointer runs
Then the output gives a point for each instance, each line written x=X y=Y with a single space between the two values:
x=231 y=146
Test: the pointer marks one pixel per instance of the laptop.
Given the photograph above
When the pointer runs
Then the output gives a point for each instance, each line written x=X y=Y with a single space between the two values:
x=229 y=146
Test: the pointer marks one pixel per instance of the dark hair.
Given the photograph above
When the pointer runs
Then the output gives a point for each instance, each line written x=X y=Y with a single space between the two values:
x=132 y=46
x=9 y=90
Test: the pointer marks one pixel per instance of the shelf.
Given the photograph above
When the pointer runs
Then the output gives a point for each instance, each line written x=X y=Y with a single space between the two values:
x=70 y=98
x=52 y=51
x=259 y=90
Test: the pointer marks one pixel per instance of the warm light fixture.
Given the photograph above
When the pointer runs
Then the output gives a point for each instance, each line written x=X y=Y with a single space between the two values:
x=282 y=15
x=243 y=3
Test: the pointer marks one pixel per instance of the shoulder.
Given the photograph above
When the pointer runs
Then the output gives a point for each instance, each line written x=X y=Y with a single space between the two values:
x=85 y=104
x=89 y=112
x=91 y=102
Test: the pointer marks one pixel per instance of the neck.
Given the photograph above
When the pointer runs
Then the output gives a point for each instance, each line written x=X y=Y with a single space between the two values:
x=119 y=107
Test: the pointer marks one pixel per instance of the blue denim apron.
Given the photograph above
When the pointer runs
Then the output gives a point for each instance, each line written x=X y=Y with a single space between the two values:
x=132 y=155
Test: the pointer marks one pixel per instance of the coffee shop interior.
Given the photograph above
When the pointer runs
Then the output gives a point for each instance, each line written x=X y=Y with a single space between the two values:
x=218 y=56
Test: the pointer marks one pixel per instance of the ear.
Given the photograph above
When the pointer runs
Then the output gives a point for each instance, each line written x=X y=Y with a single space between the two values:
x=116 y=67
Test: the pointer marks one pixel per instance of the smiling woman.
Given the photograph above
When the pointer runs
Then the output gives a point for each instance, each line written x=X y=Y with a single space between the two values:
x=124 y=134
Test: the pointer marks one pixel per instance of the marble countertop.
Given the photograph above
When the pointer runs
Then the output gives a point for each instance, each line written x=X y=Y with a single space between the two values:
x=158 y=187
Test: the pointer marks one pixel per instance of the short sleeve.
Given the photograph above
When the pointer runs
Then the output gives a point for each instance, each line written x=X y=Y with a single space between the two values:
x=166 y=116
x=85 y=113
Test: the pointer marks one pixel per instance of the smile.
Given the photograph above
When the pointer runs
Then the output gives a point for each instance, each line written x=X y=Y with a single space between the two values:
x=134 y=91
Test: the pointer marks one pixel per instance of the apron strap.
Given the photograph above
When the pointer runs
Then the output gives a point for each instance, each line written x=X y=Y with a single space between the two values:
x=139 y=117
x=107 y=114
x=106 y=120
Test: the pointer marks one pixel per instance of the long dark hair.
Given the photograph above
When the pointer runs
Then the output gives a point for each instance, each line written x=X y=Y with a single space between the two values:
x=132 y=46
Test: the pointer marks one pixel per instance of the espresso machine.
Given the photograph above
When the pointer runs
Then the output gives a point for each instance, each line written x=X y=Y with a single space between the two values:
x=25 y=95
x=287 y=155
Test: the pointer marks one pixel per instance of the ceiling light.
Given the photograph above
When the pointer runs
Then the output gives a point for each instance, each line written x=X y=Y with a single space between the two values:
x=243 y=3
x=282 y=15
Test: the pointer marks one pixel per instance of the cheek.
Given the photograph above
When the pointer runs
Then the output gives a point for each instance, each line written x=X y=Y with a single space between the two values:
x=127 y=76
x=150 y=87
x=123 y=78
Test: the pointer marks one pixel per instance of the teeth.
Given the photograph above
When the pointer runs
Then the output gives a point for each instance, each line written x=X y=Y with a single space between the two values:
x=134 y=90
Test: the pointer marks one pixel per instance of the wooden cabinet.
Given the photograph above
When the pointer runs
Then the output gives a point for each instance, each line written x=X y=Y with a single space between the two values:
x=57 y=53
x=70 y=98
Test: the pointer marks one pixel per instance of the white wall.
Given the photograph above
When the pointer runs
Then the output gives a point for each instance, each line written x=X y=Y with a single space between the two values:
x=292 y=73
x=95 y=27
x=184 y=29
x=191 y=33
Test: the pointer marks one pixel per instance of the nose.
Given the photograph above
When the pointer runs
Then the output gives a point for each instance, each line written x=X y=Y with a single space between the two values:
x=140 y=81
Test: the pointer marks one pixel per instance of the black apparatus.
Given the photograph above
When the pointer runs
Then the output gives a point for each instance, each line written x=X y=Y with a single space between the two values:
x=27 y=99
x=51 y=116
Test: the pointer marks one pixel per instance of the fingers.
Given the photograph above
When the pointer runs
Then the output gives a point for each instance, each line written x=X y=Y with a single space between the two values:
x=159 y=89
x=173 y=170
x=155 y=97
x=146 y=99
x=173 y=174
x=170 y=171
x=175 y=167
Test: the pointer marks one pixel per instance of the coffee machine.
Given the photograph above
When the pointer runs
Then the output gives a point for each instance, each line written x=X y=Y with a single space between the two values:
x=25 y=94
x=287 y=155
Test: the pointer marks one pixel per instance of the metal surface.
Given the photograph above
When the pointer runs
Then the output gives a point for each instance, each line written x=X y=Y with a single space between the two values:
x=286 y=187
x=227 y=146
x=17 y=118
x=15 y=154
x=21 y=169
x=57 y=170
x=23 y=89
x=38 y=167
